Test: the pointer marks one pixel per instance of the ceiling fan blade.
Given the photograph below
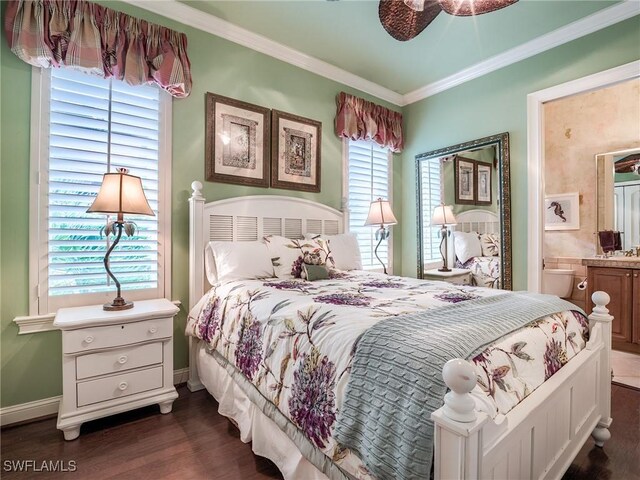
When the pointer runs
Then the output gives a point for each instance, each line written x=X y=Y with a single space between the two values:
x=627 y=164
x=466 y=8
x=403 y=23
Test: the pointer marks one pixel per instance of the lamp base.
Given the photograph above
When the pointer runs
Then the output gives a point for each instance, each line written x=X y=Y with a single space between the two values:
x=118 y=303
x=444 y=269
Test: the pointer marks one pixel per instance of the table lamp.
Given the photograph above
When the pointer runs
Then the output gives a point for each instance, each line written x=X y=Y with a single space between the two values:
x=443 y=217
x=380 y=213
x=119 y=193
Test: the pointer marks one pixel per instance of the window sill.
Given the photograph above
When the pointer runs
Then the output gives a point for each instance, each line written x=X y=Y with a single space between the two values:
x=44 y=323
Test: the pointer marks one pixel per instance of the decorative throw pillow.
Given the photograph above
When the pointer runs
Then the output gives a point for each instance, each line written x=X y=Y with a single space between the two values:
x=467 y=245
x=490 y=244
x=315 y=272
x=289 y=255
x=344 y=249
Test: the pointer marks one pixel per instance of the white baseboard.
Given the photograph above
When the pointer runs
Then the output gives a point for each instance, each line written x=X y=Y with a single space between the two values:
x=49 y=406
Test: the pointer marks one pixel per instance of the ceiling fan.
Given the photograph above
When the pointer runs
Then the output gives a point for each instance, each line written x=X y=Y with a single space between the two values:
x=628 y=164
x=405 y=19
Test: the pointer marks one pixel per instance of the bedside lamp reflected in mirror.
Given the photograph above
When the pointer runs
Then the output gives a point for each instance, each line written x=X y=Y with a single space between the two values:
x=443 y=217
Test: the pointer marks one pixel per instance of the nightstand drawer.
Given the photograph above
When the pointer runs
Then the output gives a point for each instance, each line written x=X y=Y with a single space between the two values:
x=118 y=360
x=117 y=386
x=86 y=339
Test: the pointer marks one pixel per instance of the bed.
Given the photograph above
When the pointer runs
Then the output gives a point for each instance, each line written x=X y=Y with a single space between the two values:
x=536 y=437
x=485 y=263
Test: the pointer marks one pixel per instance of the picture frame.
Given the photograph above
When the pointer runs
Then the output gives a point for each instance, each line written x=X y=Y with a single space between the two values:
x=237 y=142
x=483 y=183
x=465 y=181
x=295 y=152
x=562 y=211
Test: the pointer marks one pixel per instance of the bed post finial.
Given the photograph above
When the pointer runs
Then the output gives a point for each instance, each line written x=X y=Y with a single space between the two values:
x=600 y=337
x=460 y=377
x=196 y=186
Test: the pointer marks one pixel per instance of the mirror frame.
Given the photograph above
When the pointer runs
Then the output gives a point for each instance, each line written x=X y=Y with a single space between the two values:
x=501 y=141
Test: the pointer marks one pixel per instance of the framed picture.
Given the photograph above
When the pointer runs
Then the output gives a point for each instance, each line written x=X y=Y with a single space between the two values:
x=483 y=183
x=237 y=142
x=562 y=211
x=465 y=177
x=295 y=152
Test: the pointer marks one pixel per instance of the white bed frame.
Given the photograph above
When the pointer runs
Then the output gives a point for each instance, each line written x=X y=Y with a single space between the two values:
x=537 y=439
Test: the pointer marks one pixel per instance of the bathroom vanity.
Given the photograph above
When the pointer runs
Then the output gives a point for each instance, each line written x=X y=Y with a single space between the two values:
x=620 y=278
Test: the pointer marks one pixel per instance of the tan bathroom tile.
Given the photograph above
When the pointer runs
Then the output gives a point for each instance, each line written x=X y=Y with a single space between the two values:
x=580 y=271
x=565 y=266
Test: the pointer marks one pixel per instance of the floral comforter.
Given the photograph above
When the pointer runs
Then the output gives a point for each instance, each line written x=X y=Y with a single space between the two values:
x=294 y=340
x=485 y=271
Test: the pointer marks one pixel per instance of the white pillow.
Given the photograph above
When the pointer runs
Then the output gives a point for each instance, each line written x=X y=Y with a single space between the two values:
x=344 y=248
x=466 y=245
x=288 y=255
x=241 y=260
x=210 y=264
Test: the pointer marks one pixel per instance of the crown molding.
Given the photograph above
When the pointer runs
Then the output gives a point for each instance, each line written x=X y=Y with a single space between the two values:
x=572 y=31
x=221 y=28
x=216 y=26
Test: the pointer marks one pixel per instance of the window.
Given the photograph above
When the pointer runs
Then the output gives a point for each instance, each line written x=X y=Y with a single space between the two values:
x=83 y=127
x=367 y=179
x=430 y=197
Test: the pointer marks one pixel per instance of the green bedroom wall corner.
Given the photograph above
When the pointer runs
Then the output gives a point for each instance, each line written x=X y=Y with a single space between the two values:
x=31 y=364
x=496 y=103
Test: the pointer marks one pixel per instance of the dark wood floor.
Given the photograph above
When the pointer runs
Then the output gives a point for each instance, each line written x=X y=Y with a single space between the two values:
x=195 y=442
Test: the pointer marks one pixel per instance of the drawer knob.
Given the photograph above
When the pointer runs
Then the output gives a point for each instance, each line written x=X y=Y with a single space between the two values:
x=635 y=275
x=88 y=339
x=123 y=359
x=153 y=329
x=627 y=274
x=123 y=386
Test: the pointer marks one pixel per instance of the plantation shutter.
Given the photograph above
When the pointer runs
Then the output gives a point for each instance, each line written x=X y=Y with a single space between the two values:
x=368 y=180
x=96 y=125
x=430 y=190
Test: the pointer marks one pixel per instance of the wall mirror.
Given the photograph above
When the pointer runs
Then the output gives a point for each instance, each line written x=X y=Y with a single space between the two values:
x=618 y=194
x=473 y=178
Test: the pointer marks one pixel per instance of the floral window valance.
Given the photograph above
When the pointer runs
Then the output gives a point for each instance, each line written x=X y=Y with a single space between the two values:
x=90 y=37
x=358 y=119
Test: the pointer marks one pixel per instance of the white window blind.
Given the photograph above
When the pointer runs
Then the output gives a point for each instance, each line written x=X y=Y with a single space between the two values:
x=367 y=180
x=430 y=197
x=96 y=125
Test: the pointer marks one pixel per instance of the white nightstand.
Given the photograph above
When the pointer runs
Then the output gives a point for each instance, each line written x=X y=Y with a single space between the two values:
x=458 y=276
x=115 y=361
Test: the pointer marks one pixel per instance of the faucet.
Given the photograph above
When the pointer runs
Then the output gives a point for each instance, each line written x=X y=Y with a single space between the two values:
x=637 y=247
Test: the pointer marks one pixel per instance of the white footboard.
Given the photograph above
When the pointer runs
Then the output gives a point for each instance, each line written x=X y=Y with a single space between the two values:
x=541 y=436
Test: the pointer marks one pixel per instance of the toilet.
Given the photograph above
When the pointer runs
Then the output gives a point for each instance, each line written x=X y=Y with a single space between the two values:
x=557 y=281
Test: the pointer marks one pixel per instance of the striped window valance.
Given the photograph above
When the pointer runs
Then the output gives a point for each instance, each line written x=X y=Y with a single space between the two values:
x=99 y=40
x=358 y=119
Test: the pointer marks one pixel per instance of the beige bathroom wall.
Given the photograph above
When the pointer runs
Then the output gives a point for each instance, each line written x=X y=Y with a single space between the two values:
x=576 y=129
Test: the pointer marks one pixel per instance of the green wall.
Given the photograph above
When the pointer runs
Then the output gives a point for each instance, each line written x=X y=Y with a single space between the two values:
x=497 y=103
x=31 y=364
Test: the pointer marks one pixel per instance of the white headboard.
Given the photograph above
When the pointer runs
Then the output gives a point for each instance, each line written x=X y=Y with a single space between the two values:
x=481 y=221
x=247 y=219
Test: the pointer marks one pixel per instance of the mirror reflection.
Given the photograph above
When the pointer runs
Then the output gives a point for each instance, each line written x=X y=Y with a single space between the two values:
x=618 y=192
x=464 y=215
